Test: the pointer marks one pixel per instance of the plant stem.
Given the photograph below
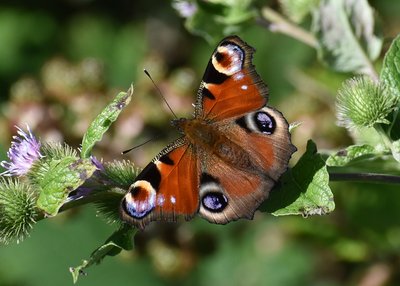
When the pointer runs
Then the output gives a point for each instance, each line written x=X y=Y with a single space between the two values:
x=365 y=177
x=386 y=140
x=275 y=22
x=99 y=196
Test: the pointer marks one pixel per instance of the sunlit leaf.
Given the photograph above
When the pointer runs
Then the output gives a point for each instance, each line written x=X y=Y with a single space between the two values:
x=390 y=77
x=103 y=121
x=349 y=38
x=351 y=154
x=214 y=19
x=120 y=240
x=297 y=10
x=396 y=150
x=391 y=67
x=304 y=189
x=62 y=177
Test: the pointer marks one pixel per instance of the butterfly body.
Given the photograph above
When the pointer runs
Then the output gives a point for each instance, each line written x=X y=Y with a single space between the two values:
x=205 y=138
x=230 y=154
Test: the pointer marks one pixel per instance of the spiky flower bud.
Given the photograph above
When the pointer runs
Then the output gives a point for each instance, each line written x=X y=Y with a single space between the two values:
x=363 y=103
x=18 y=210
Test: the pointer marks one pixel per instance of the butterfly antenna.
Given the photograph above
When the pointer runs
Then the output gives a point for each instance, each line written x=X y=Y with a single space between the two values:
x=140 y=145
x=160 y=93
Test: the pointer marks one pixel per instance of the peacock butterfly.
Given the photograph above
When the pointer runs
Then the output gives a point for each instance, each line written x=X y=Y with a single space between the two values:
x=230 y=155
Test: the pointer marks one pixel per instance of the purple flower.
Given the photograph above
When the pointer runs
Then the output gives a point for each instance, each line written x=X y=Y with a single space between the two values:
x=79 y=193
x=185 y=8
x=97 y=163
x=24 y=151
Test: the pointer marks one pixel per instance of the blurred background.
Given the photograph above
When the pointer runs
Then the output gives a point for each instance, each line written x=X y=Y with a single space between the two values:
x=62 y=61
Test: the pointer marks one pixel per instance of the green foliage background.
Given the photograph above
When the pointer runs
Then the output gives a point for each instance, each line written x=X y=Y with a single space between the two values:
x=60 y=64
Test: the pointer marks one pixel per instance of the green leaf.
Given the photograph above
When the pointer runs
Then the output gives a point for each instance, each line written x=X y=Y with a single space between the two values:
x=61 y=177
x=349 y=38
x=103 y=121
x=120 y=240
x=353 y=154
x=297 y=10
x=395 y=148
x=390 y=78
x=390 y=73
x=203 y=25
x=214 y=19
x=237 y=12
x=304 y=189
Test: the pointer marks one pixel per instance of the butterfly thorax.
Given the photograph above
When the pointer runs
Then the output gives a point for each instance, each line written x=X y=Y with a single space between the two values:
x=209 y=139
x=199 y=132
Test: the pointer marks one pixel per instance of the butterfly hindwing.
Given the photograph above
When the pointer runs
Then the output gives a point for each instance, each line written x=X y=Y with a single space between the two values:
x=264 y=135
x=232 y=191
x=227 y=194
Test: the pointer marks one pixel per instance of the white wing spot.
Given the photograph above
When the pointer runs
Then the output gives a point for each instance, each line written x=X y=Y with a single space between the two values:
x=238 y=76
x=160 y=200
x=244 y=87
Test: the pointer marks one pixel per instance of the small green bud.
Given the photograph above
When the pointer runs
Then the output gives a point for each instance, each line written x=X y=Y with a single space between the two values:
x=363 y=103
x=122 y=173
x=17 y=210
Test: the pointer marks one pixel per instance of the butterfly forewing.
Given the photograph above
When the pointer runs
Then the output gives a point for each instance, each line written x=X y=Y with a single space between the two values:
x=166 y=189
x=230 y=85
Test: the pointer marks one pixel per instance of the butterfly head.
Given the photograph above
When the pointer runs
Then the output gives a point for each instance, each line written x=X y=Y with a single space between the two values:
x=177 y=123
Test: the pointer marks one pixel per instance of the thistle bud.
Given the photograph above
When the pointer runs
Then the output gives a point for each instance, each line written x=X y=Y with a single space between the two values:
x=18 y=211
x=363 y=103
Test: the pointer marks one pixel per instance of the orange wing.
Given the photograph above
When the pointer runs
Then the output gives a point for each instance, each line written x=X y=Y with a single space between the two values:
x=230 y=86
x=166 y=189
x=258 y=150
x=228 y=194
